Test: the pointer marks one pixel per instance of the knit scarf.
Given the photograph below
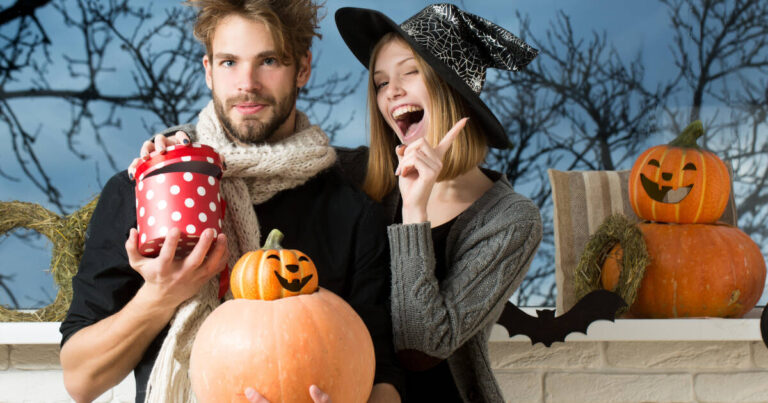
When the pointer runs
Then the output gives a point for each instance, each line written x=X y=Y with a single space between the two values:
x=254 y=174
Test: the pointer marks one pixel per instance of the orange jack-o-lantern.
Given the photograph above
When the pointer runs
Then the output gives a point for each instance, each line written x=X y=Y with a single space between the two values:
x=273 y=272
x=281 y=334
x=679 y=182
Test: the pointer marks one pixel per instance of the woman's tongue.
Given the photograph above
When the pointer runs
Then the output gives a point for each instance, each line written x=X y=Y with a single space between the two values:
x=409 y=124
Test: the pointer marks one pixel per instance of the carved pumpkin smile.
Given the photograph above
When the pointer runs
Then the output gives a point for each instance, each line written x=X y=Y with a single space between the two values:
x=664 y=194
x=294 y=285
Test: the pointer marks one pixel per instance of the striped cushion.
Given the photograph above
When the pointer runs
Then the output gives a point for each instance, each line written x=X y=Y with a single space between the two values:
x=582 y=200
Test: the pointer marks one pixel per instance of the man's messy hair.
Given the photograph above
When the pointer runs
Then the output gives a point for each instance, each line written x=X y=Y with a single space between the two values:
x=292 y=23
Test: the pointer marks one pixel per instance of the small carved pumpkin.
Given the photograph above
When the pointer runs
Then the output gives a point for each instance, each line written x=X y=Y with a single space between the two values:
x=273 y=272
x=679 y=182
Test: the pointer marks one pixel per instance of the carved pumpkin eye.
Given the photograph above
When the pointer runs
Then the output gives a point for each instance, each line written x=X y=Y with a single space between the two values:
x=689 y=167
x=654 y=163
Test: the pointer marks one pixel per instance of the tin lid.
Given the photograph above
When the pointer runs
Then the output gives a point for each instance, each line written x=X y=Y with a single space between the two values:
x=194 y=152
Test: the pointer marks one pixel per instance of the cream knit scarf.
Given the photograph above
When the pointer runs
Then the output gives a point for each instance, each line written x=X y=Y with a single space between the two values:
x=254 y=174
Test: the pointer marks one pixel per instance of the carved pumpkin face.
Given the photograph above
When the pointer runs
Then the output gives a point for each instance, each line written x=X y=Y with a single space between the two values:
x=679 y=182
x=273 y=272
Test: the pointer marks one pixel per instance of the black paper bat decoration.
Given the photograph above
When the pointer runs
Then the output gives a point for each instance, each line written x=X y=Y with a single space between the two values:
x=547 y=329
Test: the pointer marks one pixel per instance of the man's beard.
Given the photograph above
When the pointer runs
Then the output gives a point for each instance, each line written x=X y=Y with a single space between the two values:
x=251 y=130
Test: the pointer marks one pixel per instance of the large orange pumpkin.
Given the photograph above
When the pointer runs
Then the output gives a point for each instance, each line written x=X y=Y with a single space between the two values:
x=695 y=270
x=679 y=182
x=282 y=346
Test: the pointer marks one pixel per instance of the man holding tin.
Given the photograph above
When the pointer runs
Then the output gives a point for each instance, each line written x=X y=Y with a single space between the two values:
x=136 y=313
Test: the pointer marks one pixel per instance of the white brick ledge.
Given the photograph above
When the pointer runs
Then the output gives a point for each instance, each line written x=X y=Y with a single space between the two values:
x=698 y=329
x=689 y=329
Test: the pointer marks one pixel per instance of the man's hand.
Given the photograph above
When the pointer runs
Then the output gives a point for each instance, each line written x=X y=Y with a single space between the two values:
x=174 y=280
x=158 y=143
x=318 y=396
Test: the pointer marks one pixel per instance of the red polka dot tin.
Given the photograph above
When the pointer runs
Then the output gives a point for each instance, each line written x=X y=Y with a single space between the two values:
x=178 y=189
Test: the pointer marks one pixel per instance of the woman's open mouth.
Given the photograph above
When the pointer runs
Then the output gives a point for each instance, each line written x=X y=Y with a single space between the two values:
x=408 y=119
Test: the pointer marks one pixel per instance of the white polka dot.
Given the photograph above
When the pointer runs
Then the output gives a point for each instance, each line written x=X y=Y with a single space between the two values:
x=186 y=158
x=218 y=197
x=150 y=194
x=201 y=191
x=150 y=250
x=219 y=222
x=189 y=202
x=162 y=204
x=141 y=178
x=187 y=176
x=215 y=234
x=143 y=238
x=163 y=231
x=190 y=229
x=209 y=159
x=151 y=220
x=202 y=217
x=212 y=206
x=211 y=180
x=171 y=148
x=160 y=164
x=141 y=212
x=175 y=216
x=160 y=179
x=138 y=228
x=175 y=190
x=141 y=186
x=137 y=202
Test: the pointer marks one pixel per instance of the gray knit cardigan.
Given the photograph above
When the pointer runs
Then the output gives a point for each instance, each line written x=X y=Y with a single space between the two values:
x=488 y=251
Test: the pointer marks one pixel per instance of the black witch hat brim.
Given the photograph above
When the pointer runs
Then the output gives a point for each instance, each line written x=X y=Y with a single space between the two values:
x=362 y=29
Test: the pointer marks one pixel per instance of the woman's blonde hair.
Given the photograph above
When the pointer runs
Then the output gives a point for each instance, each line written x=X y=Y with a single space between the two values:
x=447 y=107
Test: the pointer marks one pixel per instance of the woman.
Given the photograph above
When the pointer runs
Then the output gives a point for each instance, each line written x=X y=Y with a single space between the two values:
x=462 y=239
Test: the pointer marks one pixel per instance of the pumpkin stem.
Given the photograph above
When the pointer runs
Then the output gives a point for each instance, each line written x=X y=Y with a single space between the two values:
x=273 y=240
x=688 y=137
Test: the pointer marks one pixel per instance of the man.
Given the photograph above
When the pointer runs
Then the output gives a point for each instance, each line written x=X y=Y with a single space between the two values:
x=280 y=174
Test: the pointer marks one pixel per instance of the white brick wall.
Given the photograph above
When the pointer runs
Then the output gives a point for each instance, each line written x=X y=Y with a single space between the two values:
x=632 y=371
x=576 y=371
x=32 y=373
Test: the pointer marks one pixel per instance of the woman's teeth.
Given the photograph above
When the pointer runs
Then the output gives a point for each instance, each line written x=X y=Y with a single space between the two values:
x=401 y=111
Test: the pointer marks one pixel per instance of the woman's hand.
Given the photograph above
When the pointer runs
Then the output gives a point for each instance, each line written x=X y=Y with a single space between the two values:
x=158 y=143
x=318 y=396
x=419 y=165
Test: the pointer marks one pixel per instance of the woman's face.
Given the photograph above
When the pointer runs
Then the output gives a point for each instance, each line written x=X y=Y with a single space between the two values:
x=401 y=95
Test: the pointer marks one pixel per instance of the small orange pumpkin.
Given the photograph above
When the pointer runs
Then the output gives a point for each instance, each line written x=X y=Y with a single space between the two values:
x=281 y=334
x=679 y=182
x=273 y=272
x=695 y=270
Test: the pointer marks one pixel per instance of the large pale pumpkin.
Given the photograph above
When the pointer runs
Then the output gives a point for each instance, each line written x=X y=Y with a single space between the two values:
x=696 y=270
x=679 y=182
x=282 y=346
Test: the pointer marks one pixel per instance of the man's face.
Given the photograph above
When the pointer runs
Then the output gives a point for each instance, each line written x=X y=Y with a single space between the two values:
x=254 y=93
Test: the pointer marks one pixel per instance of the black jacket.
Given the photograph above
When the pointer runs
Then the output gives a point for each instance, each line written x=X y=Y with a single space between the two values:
x=332 y=222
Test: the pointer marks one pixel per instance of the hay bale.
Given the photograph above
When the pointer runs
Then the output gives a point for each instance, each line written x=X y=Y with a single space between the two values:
x=616 y=229
x=68 y=238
